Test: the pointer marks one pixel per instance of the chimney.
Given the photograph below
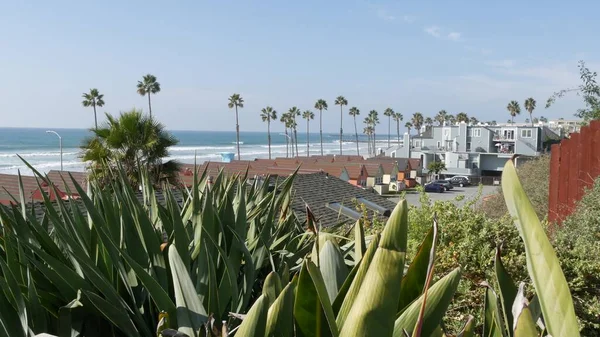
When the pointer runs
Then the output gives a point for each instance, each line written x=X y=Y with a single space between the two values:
x=405 y=150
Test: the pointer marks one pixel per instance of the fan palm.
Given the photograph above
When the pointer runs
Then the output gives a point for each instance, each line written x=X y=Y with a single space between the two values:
x=389 y=112
x=462 y=117
x=268 y=114
x=368 y=130
x=148 y=85
x=514 y=109
x=441 y=117
x=93 y=99
x=308 y=115
x=294 y=111
x=451 y=119
x=530 y=106
x=355 y=112
x=429 y=122
x=341 y=101
x=285 y=120
x=408 y=126
x=236 y=101
x=321 y=105
x=373 y=119
x=417 y=121
x=398 y=118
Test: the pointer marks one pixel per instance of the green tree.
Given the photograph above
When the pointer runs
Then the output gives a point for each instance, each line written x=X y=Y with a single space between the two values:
x=236 y=101
x=373 y=119
x=285 y=119
x=417 y=121
x=341 y=101
x=530 y=106
x=321 y=105
x=543 y=119
x=134 y=141
x=294 y=111
x=368 y=130
x=535 y=120
x=514 y=109
x=268 y=114
x=408 y=126
x=147 y=86
x=451 y=119
x=308 y=115
x=355 y=112
x=389 y=113
x=441 y=117
x=428 y=122
x=398 y=118
x=589 y=90
x=93 y=99
x=473 y=121
x=462 y=117
x=436 y=167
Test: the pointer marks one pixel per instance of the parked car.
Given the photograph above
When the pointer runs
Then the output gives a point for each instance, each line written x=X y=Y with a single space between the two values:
x=447 y=185
x=433 y=187
x=459 y=181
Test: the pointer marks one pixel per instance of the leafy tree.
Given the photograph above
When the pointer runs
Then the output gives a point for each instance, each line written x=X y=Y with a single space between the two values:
x=462 y=117
x=451 y=119
x=589 y=90
x=236 y=101
x=436 y=167
x=473 y=121
x=428 y=122
x=93 y=99
x=389 y=112
x=493 y=123
x=535 y=120
x=308 y=115
x=147 y=86
x=341 y=101
x=408 y=126
x=514 y=109
x=398 y=118
x=321 y=105
x=543 y=119
x=294 y=111
x=355 y=112
x=268 y=114
x=417 y=121
x=134 y=141
x=530 y=106
x=441 y=117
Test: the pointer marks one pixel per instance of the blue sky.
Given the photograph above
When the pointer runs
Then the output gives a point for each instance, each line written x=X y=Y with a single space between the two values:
x=471 y=56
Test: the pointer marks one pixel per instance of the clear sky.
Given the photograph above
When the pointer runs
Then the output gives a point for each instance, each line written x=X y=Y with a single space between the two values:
x=471 y=56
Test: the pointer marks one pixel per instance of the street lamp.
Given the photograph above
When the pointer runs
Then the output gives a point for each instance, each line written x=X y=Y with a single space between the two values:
x=60 y=143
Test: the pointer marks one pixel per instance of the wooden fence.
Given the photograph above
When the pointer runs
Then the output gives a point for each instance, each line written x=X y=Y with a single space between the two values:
x=574 y=165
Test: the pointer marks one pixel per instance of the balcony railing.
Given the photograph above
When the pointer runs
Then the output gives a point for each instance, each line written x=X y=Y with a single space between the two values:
x=502 y=138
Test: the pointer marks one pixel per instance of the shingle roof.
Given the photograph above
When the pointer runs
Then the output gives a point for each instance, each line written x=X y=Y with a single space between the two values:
x=414 y=163
x=402 y=162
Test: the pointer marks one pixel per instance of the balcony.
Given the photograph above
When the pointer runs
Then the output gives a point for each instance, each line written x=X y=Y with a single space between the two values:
x=499 y=138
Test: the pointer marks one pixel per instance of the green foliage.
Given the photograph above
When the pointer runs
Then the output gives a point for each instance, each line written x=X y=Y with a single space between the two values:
x=589 y=90
x=436 y=166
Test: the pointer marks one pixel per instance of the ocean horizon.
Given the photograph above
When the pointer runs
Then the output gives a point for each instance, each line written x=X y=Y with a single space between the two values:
x=41 y=149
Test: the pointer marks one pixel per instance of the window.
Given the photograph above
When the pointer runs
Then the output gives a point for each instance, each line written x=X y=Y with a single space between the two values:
x=526 y=133
x=378 y=180
x=468 y=147
x=477 y=132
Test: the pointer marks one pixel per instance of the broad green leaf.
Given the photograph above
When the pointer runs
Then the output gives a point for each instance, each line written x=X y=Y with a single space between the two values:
x=544 y=268
x=525 y=326
x=333 y=268
x=492 y=324
x=439 y=296
x=360 y=247
x=430 y=267
x=254 y=324
x=374 y=309
x=113 y=313
x=413 y=281
x=280 y=318
x=272 y=287
x=508 y=291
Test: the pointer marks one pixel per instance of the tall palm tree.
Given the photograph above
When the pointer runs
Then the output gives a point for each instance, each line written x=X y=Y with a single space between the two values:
x=428 y=122
x=462 y=117
x=514 y=109
x=308 y=115
x=148 y=85
x=341 y=101
x=93 y=99
x=530 y=106
x=373 y=121
x=451 y=119
x=473 y=121
x=268 y=114
x=398 y=118
x=355 y=112
x=389 y=113
x=441 y=116
x=417 y=121
x=236 y=101
x=321 y=105
x=408 y=125
x=368 y=130
x=285 y=120
x=294 y=111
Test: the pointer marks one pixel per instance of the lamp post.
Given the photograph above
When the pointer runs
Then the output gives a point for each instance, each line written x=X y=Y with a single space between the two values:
x=60 y=144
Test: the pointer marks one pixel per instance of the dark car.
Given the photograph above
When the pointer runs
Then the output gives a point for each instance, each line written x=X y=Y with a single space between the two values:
x=459 y=181
x=433 y=187
x=447 y=185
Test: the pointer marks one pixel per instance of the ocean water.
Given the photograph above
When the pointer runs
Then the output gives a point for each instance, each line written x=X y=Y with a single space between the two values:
x=41 y=149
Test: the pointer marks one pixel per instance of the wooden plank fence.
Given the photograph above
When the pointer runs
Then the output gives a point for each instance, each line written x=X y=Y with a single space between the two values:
x=574 y=165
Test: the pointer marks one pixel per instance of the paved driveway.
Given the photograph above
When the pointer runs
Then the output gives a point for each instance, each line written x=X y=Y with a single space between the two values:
x=469 y=192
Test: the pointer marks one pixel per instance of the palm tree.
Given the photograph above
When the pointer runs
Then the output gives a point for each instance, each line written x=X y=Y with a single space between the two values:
x=373 y=121
x=294 y=111
x=543 y=119
x=493 y=123
x=284 y=119
x=462 y=117
x=147 y=86
x=368 y=130
x=473 y=121
x=428 y=122
x=321 y=105
x=268 y=114
x=441 y=117
x=451 y=119
x=535 y=120
x=417 y=121
x=135 y=142
x=341 y=101
x=236 y=101
x=530 y=106
x=355 y=112
x=398 y=118
x=308 y=115
x=389 y=113
x=408 y=125
x=514 y=109
x=93 y=99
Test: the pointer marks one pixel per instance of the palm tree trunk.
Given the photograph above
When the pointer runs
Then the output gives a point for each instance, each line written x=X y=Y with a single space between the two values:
x=374 y=142
x=369 y=143
x=512 y=120
x=95 y=118
x=389 y=129
x=356 y=134
x=269 y=135
x=150 y=106
x=321 y=128
x=287 y=146
x=296 y=138
x=307 y=138
x=531 y=117
x=398 y=130
x=341 y=127
x=237 y=130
